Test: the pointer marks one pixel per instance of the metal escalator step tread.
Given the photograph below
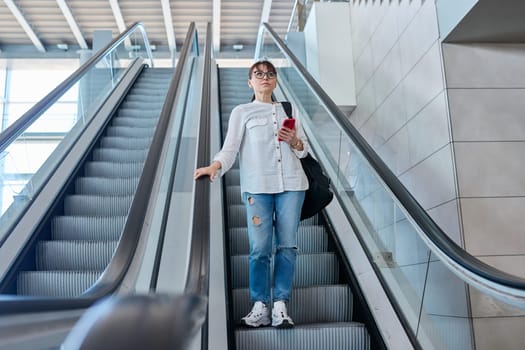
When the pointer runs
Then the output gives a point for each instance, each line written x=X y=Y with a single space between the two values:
x=128 y=131
x=232 y=177
x=55 y=283
x=87 y=228
x=139 y=113
x=127 y=143
x=119 y=155
x=233 y=195
x=144 y=106
x=106 y=186
x=135 y=122
x=111 y=169
x=83 y=205
x=74 y=255
x=310 y=269
x=333 y=336
x=316 y=304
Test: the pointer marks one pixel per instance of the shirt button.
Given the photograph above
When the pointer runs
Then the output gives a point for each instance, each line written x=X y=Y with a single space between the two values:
x=278 y=160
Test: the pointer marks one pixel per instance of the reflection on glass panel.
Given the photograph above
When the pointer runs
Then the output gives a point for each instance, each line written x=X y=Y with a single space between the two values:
x=11 y=189
x=445 y=321
x=30 y=160
x=23 y=89
x=60 y=118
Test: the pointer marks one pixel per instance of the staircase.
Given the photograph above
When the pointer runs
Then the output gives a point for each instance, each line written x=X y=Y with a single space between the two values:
x=321 y=302
x=81 y=237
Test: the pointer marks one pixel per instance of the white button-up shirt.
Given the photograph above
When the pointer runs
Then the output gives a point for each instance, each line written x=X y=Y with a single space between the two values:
x=266 y=164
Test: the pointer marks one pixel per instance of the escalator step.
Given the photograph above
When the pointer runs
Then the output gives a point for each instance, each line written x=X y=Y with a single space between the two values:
x=74 y=255
x=110 y=169
x=82 y=205
x=310 y=269
x=106 y=186
x=87 y=228
x=333 y=336
x=232 y=177
x=55 y=283
x=316 y=304
x=119 y=155
x=125 y=142
x=233 y=195
x=310 y=239
x=138 y=113
x=141 y=97
x=135 y=122
x=126 y=131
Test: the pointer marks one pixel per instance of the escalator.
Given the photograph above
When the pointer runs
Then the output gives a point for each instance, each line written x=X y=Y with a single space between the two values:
x=70 y=238
x=374 y=270
x=77 y=243
x=321 y=304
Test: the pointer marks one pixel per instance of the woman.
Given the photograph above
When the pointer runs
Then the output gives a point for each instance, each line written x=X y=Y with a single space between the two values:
x=273 y=184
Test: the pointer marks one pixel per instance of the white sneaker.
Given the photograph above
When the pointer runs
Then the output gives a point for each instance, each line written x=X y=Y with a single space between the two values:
x=259 y=316
x=280 y=318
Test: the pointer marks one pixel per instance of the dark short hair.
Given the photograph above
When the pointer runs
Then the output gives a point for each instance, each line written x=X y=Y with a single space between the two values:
x=269 y=65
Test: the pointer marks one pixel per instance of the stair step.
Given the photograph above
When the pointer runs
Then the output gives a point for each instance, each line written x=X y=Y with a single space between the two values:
x=119 y=155
x=127 y=143
x=55 y=283
x=333 y=336
x=130 y=132
x=106 y=186
x=135 y=122
x=84 y=205
x=332 y=303
x=74 y=255
x=111 y=169
x=139 y=113
x=87 y=228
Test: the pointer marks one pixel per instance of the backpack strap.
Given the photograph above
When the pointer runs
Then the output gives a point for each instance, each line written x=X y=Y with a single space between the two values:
x=287 y=106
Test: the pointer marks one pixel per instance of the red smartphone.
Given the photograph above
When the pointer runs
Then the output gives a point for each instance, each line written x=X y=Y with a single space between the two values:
x=289 y=123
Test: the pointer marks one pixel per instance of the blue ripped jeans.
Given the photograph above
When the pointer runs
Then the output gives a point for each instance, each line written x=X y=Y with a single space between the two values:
x=263 y=212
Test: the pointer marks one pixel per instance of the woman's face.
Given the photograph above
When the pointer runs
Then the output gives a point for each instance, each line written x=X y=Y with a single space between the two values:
x=262 y=79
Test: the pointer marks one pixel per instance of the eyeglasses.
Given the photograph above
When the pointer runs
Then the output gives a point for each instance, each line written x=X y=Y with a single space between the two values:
x=262 y=75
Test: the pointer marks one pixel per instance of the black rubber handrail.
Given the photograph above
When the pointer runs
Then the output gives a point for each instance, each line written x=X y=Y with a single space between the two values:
x=198 y=276
x=417 y=213
x=27 y=119
x=119 y=264
x=198 y=270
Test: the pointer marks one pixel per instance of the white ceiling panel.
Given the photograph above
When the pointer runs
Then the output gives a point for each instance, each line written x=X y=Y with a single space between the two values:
x=239 y=22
